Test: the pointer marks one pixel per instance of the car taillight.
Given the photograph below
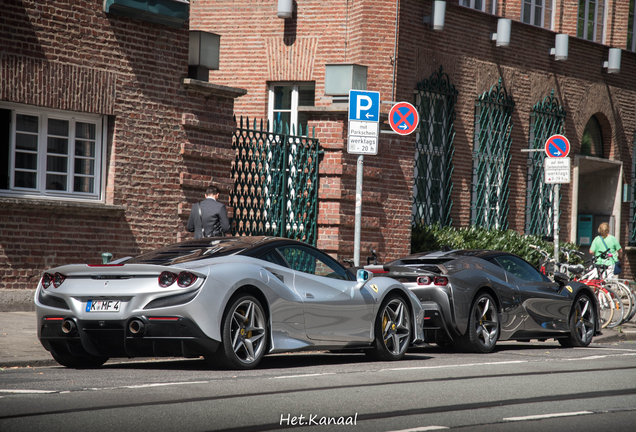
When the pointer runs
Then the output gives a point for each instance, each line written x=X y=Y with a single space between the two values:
x=166 y=279
x=47 y=280
x=55 y=279
x=423 y=280
x=185 y=279
x=440 y=281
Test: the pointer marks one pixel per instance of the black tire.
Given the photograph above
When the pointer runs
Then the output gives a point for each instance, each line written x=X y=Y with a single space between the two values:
x=77 y=362
x=244 y=335
x=483 y=329
x=392 y=330
x=582 y=323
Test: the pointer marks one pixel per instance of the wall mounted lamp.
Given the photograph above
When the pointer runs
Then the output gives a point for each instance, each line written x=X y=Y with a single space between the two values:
x=438 y=13
x=203 y=54
x=560 y=50
x=613 y=63
x=285 y=9
x=503 y=32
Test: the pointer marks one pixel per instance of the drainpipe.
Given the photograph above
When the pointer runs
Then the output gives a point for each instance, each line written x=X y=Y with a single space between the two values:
x=397 y=5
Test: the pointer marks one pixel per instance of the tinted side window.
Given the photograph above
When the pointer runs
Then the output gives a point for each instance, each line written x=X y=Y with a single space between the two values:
x=274 y=257
x=310 y=261
x=519 y=268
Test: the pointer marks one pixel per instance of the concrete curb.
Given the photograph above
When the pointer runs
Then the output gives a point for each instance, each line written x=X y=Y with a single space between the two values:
x=17 y=300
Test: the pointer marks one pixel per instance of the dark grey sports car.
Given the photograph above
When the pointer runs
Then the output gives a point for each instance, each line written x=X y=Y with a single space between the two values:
x=474 y=298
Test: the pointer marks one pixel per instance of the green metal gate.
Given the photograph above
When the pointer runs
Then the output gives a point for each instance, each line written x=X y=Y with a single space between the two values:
x=435 y=102
x=547 y=119
x=491 y=159
x=275 y=183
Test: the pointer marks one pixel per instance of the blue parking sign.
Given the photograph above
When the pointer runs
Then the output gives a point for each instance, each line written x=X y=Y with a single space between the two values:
x=364 y=105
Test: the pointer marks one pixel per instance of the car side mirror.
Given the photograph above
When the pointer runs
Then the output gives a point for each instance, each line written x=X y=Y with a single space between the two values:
x=363 y=276
x=561 y=278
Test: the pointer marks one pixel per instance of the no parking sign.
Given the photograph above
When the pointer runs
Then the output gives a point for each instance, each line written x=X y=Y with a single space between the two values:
x=403 y=118
x=557 y=146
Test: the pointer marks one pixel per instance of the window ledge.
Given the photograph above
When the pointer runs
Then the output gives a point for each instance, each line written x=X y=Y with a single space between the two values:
x=65 y=206
x=210 y=89
x=630 y=249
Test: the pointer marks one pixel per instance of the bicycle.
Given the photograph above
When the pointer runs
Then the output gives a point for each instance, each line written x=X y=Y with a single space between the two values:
x=591 y=279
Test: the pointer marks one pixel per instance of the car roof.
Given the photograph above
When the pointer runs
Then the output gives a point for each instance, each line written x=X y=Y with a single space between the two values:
x=192 y=250
x=440 y=257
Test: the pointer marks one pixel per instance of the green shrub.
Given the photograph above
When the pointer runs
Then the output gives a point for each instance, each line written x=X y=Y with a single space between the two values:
x=434 y=237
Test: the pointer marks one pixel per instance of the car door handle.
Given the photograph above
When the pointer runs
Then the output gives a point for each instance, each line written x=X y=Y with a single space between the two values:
x=309 y=295
x=282 y=279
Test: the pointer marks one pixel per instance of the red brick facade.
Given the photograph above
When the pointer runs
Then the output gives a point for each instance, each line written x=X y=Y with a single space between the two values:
x=258 y=47
x=168 y=137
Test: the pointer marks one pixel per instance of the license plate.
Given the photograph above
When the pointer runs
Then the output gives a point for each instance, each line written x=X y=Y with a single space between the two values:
x=103 y=305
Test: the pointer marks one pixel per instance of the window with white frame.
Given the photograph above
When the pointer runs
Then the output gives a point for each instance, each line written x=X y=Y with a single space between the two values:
x=474 y=4
x=591 y=19
x=50 y=153
x=631 y=26
x=284 y=100
x=538 y=13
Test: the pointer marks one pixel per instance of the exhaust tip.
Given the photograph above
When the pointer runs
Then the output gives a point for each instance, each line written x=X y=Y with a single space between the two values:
x=137 y=327
x=68 y=326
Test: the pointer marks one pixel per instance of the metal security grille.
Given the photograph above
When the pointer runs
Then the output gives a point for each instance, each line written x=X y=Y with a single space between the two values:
x=435 y=101
x=632 y=210
x=491 y=158
x=547 y=119
x=275 y=183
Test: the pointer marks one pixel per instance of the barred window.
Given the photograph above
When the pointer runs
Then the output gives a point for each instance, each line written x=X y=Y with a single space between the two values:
x=591 y=20
x=491 y=158
x=547 y=119
x=432 y=186
x=50 y=153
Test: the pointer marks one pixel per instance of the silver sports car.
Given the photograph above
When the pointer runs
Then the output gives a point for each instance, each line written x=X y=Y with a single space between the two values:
x=230 y=299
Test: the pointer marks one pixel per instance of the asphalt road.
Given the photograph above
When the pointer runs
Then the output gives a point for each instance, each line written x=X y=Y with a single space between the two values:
x=587 y=389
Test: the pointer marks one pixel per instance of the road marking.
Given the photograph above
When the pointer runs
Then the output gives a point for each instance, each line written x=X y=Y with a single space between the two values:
x=605 y=349
x=546 y=416
x=28 y=391
x=459 y=365
x=303 y=376
x=423 y=428
x=596 y=357
x=164 y=384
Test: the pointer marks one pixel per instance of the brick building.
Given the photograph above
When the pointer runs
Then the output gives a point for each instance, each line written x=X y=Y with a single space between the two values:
x=481 y=103
x=104 y=140
x=132 y=142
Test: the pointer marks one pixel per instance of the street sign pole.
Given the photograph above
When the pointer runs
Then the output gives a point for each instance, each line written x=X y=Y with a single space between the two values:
x=364 y=119
x=358 y=212
x=557 y=171
x=556 y=224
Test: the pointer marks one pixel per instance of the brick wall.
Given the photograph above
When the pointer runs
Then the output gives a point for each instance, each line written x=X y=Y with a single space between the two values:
x=168 y=139
x=363 y=31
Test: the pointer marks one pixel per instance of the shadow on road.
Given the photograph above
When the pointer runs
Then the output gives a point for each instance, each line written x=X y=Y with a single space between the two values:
x=274 y=361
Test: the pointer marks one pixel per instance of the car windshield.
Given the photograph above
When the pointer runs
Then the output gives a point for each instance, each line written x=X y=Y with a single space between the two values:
x=192 y=251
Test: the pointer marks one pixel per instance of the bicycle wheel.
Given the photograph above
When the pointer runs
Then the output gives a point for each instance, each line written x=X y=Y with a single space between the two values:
x=624 y=296
x=628 y=300
x=606 y=312
x=617 y=306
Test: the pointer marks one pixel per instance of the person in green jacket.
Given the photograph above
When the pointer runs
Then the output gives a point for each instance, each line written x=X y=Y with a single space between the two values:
x=603 y=242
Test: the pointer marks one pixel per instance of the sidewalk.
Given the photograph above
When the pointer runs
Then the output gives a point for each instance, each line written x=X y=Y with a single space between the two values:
x=20 y=347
